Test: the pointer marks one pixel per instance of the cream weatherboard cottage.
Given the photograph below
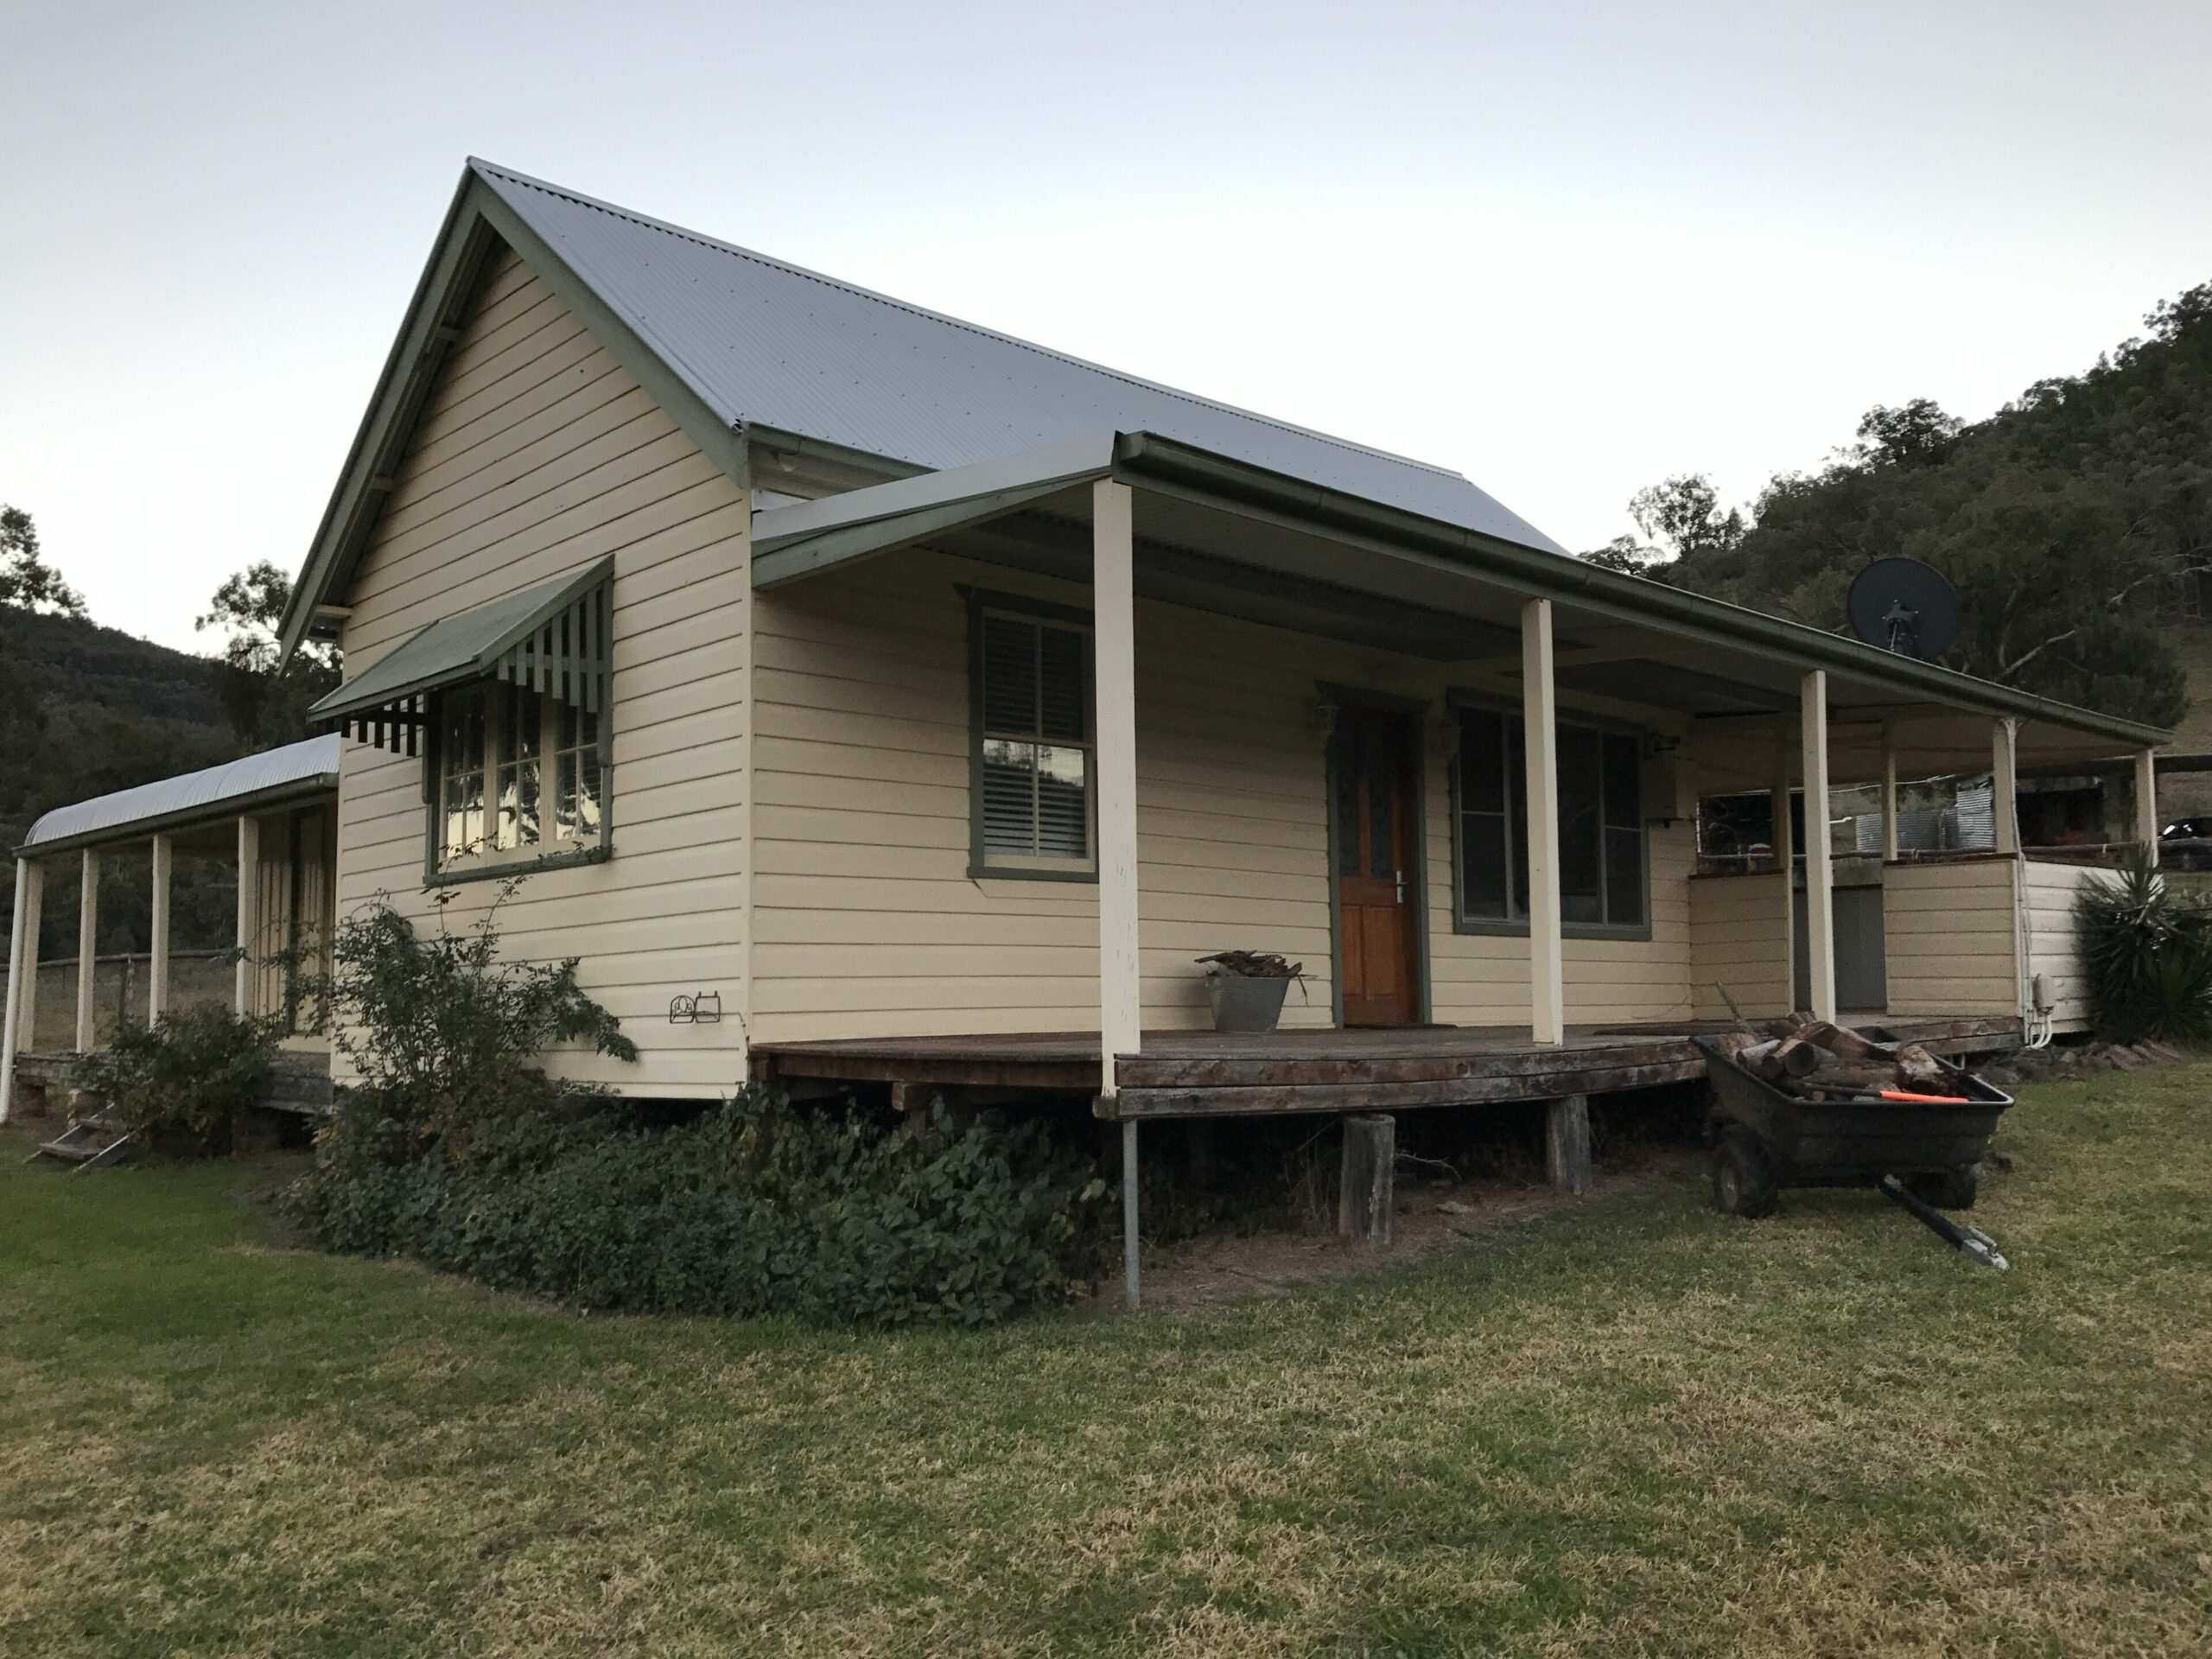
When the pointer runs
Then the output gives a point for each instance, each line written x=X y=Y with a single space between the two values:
x=866 y=695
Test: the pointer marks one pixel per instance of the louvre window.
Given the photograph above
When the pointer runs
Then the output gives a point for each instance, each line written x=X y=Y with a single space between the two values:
x=1034 y=744
x=1601 y=855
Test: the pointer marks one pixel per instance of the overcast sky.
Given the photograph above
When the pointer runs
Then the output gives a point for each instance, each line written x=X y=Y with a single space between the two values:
x=1566 y=250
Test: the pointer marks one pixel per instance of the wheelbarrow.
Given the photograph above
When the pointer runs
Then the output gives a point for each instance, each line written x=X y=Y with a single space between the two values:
x=1764 y=1138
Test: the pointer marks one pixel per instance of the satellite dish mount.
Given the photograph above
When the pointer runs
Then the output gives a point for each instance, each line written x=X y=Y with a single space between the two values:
x=1905 y=606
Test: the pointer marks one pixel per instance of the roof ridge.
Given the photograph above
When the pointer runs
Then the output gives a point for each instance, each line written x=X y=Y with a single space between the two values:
x=646 y=221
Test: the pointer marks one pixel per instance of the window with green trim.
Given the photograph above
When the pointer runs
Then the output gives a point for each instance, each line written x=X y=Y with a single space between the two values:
x=1601 y=852
x=1034 y=745
x=497 y=799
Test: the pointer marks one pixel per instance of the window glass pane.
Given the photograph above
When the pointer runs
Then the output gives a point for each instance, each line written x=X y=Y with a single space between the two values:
x=1516 y=815
x=1380 y=768
x=1482 y=763
x=1579 y=848
x=1061 y=677
x=1624 y=877
x=1009 y=797
x=577 y=804
x=1010 y=676
x=1346 y=807
x=523 y=734
x=1482 y=865
x=1623 y=792
x=463 y=748
x=461 y=781
x=464 y=796
x=521 y=737
x=1063 y=802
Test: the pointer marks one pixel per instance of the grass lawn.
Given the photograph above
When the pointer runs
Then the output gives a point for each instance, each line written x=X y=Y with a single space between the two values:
x=1636 y=1427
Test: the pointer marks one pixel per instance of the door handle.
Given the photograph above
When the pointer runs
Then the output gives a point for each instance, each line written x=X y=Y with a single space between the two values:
x=1399 y=876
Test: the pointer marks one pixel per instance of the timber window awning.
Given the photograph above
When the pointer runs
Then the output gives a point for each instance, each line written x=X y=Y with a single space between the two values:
x=555 y=637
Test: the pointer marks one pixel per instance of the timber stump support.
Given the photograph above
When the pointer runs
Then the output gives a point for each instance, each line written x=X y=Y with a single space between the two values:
x=1366 y=1193
x=1566 y=1143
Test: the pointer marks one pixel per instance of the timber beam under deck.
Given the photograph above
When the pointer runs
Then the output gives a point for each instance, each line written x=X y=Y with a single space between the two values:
x=1210 y=1074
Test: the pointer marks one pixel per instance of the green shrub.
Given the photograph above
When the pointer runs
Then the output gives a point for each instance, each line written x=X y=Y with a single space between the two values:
x=180 y=1085
x=754 y=1207
x=2147 y=953
x=457 y=1149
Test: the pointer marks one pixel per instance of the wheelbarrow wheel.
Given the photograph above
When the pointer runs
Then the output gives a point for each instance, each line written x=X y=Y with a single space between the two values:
x=1743 y=1176
x=1948 y=1189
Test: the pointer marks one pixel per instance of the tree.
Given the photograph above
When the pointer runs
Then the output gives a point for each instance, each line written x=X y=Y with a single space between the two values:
x=27 y=581
x=263 y=701
x=1683 y=516
x=1679 y=518
x=1916 y=434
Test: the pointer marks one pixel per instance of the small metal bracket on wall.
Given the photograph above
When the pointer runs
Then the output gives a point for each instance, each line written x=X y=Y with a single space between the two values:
x=701 y=1009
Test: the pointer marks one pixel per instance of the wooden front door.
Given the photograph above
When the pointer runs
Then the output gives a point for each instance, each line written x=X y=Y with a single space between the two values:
x=1378 y=942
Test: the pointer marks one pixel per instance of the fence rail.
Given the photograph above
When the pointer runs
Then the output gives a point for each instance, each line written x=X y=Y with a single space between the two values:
x=121 y=988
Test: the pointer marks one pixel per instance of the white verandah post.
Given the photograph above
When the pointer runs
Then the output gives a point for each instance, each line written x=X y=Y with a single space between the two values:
x=1889 y=798
x=1540 y=743
x=249 y=911
x=2146 y=801
x=1785 y=858
x=1113 y=517
x=1819 y=872
x=88 y=927
x=33 y=925
x=2004 y=784
x=157 y=968
x=11 y=1030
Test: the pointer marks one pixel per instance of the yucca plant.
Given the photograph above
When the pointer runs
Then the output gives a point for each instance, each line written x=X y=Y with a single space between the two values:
x=2148 y=952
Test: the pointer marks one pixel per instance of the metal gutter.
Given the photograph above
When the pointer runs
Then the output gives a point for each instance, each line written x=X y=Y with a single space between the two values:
x=295 y=789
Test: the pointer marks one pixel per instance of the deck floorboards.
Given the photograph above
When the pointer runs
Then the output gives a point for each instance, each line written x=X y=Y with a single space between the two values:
x=1205 y=1073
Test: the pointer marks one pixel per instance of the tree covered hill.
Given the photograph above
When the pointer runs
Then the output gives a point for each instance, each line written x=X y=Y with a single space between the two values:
x=2076 y=523
x=84 y=709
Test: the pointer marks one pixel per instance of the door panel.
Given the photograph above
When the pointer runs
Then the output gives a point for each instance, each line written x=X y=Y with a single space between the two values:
x=1376 y=845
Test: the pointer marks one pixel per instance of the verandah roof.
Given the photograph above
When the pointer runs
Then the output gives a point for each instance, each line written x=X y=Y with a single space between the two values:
x=269 y=778
x=1216 y=534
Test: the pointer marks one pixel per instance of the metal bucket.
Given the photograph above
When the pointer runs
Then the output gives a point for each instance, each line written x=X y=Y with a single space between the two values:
x=1242 y=1003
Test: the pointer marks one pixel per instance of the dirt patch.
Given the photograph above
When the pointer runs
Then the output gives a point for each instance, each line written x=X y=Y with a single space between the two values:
x=1432 y=1215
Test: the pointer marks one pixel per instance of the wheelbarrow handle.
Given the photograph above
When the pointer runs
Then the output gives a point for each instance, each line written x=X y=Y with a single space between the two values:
x=1970 y=1241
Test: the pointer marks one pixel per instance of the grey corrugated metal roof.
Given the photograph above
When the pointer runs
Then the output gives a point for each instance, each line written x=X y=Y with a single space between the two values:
x=771 y=345
x=208 y=794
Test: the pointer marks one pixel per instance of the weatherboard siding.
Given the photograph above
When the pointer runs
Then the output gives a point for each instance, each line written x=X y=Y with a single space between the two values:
x=1951 y=936
x=2051 y=890
x=536 y=456
x=867 y=922
x=1739 y=944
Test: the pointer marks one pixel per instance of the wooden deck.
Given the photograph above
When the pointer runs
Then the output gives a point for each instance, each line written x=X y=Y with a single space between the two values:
x=1209 y=1074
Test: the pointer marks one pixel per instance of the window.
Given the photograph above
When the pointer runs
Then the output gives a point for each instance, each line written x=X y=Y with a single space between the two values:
x=491 y=802
x=1032 y=798
x=1600 y=825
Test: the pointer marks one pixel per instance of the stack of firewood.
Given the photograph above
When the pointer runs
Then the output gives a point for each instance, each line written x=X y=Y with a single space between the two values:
x=1820 y=1061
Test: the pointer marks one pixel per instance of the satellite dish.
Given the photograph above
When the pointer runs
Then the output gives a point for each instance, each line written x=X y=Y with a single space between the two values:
x=1906 y=607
